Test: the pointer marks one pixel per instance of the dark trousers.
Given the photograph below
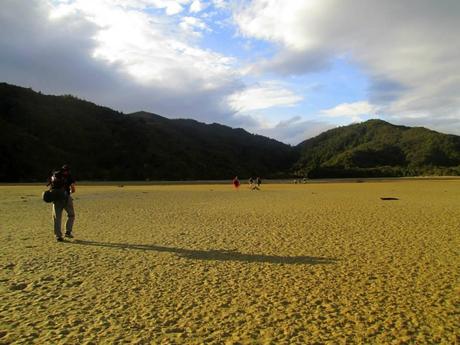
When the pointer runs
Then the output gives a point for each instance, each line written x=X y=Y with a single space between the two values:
x=58 y=207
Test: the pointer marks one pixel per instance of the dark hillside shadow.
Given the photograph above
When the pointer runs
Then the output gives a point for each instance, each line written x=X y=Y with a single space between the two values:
x=218 y=255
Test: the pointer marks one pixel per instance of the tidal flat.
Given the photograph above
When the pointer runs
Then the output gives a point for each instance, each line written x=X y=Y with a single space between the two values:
x=330 y=263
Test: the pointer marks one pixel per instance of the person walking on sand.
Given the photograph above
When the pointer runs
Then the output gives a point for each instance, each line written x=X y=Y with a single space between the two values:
x=62 y=180
x=255 y=184
x=236 y=182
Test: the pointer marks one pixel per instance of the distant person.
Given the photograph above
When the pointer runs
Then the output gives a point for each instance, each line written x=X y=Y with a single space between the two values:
x=236 y=182
x=258 y=181
x=62 y=180
x=254 y=184
x=251 y=182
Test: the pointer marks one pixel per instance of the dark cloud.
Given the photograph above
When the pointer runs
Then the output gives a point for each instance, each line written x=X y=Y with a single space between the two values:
x=382 y=90
x=294 y=62
x=52 y=56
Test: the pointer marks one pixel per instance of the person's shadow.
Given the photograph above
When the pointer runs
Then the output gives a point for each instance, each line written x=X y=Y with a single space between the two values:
x=218 y=255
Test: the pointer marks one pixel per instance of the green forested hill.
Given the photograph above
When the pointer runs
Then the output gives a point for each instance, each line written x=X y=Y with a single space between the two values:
x=39 y=132
x=378 y=148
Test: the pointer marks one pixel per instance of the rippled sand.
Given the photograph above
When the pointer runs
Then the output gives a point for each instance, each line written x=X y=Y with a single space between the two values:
x=308 y=264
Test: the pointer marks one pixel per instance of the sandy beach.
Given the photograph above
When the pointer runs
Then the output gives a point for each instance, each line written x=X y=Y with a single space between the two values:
x=206 y=264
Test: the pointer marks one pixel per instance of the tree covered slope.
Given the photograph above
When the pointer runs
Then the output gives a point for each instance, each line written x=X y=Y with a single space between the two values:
x=378 y=148
x=40 y=132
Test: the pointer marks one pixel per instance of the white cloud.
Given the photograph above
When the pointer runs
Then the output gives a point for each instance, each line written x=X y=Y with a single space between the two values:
x=280 y=21
x=262 y=96
x=193 y=25
x=197 y=6
x=408 y=49
x=220 y=4
x=294 y=130
x=171 y=7
x=352 y=110
x=152 y=49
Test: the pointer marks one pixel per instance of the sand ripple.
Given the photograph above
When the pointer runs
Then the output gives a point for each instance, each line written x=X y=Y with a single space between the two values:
x=305 y=264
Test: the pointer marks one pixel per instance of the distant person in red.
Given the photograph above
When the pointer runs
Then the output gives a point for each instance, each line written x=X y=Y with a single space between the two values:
x=236 y=182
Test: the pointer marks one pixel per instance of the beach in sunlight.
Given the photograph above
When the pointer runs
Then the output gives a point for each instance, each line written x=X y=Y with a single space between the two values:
x=317 y=263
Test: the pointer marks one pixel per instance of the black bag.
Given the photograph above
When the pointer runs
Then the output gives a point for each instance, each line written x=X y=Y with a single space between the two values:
x=47 y=196
x=54 y=195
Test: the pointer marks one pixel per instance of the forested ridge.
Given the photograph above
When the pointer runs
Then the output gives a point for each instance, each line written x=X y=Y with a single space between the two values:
x=41 y=132
x=376 y=148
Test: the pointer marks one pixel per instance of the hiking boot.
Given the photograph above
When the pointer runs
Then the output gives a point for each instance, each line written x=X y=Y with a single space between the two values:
x=59 y=239
x=68 y=234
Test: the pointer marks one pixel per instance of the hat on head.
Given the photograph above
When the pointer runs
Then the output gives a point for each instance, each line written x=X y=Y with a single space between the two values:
x=65 y=167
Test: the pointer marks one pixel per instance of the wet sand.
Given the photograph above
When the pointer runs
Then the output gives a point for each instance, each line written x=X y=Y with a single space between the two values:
x=166 y=264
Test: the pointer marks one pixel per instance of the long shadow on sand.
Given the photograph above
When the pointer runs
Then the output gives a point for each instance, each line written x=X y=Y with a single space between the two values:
x=218 y=255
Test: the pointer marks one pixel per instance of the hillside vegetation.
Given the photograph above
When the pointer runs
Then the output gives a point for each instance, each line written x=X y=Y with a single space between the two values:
x=40 y=132
x=378 y=148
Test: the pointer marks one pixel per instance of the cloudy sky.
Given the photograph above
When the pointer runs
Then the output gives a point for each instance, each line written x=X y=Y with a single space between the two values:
x=288 y=69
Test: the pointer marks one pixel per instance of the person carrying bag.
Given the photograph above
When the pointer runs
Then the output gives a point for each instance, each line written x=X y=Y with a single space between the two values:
x=62 y=185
